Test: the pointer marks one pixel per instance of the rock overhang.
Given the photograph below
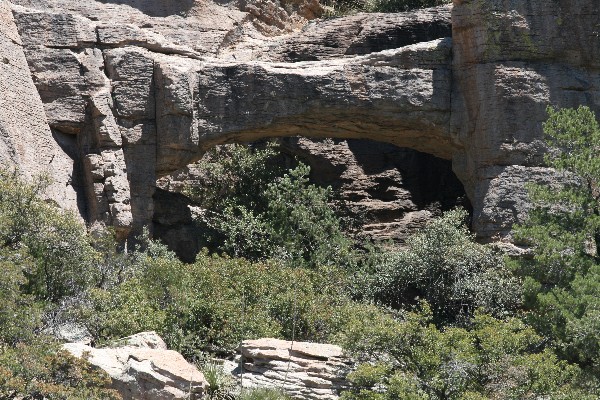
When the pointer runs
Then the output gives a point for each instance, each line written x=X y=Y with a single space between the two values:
x=143 y=101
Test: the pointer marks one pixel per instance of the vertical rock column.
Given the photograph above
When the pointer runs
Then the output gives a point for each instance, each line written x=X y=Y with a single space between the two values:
x=510 y=61
x=131 y=71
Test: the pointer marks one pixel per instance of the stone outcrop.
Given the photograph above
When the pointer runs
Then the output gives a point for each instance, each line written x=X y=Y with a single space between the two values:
x=510 y=61
x=118 y=93
x=393 y=191
x=350 y=36
x=308 y=371
x=26 y=142
x=142 y=368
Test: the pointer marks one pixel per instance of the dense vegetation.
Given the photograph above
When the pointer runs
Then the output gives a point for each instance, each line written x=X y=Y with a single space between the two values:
x=562 y=280
x=45 y=254
x=441 y=318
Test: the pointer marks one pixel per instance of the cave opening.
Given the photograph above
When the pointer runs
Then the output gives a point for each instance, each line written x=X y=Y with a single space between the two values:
x=391 y=191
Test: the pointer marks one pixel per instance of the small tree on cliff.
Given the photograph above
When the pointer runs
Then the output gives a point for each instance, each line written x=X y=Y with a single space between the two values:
x=562 y=283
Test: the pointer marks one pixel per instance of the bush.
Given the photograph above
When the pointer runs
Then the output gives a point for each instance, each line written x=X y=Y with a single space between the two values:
x=408 y=357
x=220 y=384
x=263 y=394
x=31 y=363
x=39 y=370
x=209 y=306
x=20 y=314
x=45 y=255
x=63 y=260
x=562 y=279
x=445 y=266
x=263 y=212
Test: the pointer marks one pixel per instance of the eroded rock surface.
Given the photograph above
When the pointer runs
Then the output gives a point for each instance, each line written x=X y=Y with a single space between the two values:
x=142 y=368
x=118 y=93
x=26 y=142
x=310 y=371
x=393 y=191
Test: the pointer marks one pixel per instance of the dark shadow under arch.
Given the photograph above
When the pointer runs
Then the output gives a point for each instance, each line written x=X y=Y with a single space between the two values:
x=393 y=190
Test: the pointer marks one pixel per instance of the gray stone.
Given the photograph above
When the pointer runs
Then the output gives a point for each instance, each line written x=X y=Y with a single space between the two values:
x=141 y=368
x=157 y=83
x=308 y=371
x=26 y=141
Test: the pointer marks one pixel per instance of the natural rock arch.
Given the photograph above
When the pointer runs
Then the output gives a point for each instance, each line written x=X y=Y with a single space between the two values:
x=129 y=95
x=177 y=107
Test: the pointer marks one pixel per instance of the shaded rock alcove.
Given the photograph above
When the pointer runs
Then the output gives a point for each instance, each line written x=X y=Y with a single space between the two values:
x=392 y=191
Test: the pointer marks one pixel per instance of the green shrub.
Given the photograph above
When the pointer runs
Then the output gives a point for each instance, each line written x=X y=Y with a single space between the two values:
x=445 y=266
x=415 y=360
x=220 y=384
x=562 y=279
x=257 y=210
x=39 y=370
x=209 y=306
x=20 y=314
x=31 y=364
x=390 y=6
x=64 y=262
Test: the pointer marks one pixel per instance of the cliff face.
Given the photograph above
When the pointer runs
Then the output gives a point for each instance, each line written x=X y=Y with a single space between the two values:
x=510 y=61
x=26 y=141
x=121 y=92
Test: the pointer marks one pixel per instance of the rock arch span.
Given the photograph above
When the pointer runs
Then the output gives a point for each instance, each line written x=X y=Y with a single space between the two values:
x=129 y=95
x=400 y=96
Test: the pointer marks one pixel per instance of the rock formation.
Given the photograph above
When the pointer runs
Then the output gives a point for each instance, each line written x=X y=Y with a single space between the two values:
x=510 y=61
x=393 y=191
x=117 y=93
x=141 y=368
x=307 y=371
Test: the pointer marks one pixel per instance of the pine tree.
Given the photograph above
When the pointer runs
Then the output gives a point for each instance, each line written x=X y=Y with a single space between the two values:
x=562 y=279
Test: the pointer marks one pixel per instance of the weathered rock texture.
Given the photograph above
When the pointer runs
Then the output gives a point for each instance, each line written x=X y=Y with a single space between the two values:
x=129 y=90
x=394 y=191
x=141 y=368
x=310 y=371
x=510 y=61
x=26 y=142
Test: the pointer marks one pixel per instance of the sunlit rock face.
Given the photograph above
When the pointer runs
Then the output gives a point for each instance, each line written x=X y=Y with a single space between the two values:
x=510 y=61
x=107 y=96
x=142 y=368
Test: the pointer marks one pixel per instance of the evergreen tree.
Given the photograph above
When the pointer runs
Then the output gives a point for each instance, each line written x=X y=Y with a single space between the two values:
x=562 y=284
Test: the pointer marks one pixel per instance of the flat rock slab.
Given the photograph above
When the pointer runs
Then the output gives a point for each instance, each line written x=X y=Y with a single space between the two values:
x=303 y=370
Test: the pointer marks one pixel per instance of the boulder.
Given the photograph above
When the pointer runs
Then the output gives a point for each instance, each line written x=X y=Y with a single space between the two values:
x=142 y=368
x=310 y=371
